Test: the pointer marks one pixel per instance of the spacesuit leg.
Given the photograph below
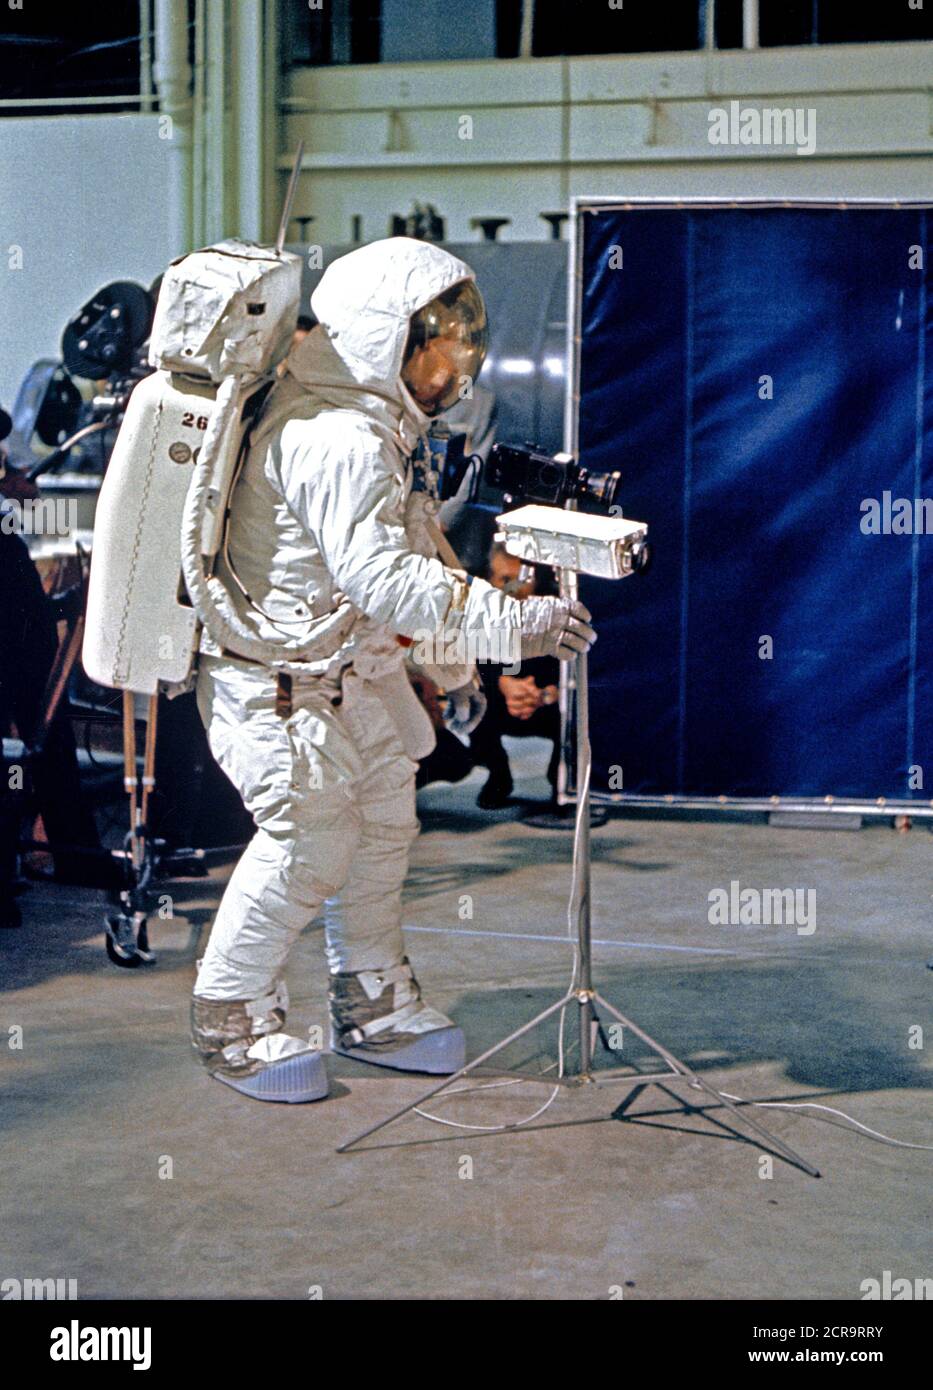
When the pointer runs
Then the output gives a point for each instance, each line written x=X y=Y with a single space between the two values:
x=295 y=777
x=377 y=1014
x=363 y=924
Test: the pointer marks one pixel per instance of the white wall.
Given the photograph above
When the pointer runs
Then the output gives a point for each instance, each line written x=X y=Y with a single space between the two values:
x=377 y=137
x=83 y=197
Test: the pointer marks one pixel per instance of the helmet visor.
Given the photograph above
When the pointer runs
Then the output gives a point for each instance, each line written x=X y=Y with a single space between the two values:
x=446 y=346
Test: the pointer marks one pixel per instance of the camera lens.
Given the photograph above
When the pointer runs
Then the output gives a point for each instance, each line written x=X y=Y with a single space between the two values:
x=602 y=488
x=641 y=557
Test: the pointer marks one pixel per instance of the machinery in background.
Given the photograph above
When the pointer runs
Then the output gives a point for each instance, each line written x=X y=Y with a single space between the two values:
x=72 y=408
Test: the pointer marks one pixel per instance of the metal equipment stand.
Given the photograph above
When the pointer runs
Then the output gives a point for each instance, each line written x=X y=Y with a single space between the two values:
x=127 y=938
x=588 y=1001
x=144 y=857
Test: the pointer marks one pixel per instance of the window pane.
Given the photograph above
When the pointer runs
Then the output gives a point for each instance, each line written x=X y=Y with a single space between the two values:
x=73 y=50
x=840 y=21
x=640 y=26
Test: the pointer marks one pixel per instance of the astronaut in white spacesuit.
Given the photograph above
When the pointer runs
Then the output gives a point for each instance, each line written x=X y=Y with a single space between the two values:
x=328 y=542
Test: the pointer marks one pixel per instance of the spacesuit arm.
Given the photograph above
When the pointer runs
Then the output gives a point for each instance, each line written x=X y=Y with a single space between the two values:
x=346 y=492
x=426 y=538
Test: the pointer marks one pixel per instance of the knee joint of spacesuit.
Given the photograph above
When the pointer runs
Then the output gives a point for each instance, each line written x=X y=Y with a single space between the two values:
x=307 y=875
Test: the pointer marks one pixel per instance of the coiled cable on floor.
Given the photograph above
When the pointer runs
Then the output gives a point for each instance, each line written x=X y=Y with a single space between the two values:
x=814 y=1105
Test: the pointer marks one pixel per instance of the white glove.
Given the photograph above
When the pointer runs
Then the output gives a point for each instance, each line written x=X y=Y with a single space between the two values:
x=555 y=627
x=465 y=708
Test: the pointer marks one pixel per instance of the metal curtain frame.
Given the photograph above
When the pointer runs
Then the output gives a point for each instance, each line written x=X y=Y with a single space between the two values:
x=880 y=808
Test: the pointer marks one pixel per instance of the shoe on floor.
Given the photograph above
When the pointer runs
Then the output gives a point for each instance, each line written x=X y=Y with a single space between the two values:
x=495 y=793
x=378 y=1016
x=241 y=1043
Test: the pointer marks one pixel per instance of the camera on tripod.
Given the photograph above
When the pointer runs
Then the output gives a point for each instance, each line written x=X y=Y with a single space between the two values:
x=591 y=537
x=524 y=473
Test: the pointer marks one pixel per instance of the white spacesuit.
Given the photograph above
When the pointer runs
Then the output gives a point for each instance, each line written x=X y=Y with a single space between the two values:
x=330 y=553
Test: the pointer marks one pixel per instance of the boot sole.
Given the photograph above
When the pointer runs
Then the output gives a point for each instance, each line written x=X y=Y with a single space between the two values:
x=438 y=1054
x=293 y=1081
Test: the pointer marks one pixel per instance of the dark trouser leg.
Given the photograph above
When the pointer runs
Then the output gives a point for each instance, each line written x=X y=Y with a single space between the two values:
x=486 y=741
x=66 y=813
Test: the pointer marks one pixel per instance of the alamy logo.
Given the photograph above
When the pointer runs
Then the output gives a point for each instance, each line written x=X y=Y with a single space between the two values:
x=77 y=1343
x=736 y=906
x=767 y=125
x=896 y=516
x=895 y=1289
x=26 y=1289
x=39 y=516
x=453 y=647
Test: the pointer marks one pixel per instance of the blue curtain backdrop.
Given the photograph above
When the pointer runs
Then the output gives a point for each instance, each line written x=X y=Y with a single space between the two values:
x=754 y=505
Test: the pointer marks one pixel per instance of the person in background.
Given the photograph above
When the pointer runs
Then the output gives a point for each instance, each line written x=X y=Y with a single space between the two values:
x=28 y=645
x=523 y=705
x=450 y=760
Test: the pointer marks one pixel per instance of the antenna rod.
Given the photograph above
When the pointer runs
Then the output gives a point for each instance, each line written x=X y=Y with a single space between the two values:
x=289 y=199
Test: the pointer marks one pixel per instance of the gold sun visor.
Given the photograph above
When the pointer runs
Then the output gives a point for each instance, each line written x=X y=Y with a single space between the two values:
x=446 y=346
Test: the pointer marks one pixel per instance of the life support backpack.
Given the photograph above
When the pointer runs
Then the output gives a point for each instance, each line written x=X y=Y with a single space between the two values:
x=225 y=318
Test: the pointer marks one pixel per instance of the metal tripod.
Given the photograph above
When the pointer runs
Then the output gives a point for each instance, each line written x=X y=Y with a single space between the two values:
x=582 y=994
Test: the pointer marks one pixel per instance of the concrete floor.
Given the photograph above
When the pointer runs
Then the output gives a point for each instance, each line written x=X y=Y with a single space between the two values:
x=668 y=1205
